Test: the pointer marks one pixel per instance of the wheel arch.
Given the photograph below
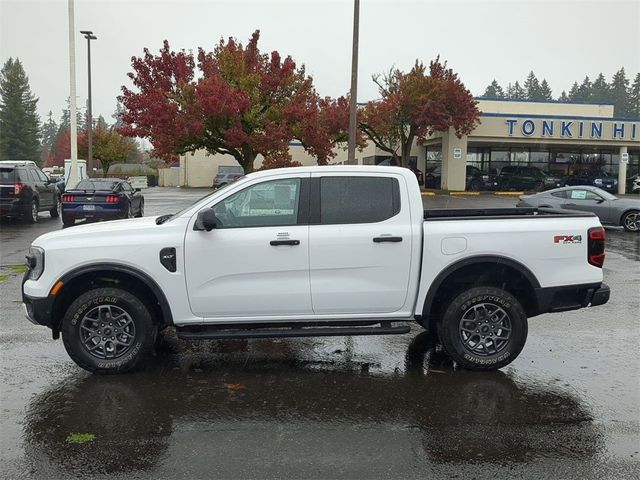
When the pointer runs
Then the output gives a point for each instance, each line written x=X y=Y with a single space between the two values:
x=628 y=210
x=112 y=274
x=481 y=270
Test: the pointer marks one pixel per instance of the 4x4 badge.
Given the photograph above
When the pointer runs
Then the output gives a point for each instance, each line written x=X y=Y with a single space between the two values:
x=567 y=239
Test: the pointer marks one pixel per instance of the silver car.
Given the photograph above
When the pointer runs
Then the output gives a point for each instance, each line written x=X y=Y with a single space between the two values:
x=610 y=209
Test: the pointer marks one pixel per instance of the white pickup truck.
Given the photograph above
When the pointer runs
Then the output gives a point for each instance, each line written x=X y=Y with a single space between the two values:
x=314 y=251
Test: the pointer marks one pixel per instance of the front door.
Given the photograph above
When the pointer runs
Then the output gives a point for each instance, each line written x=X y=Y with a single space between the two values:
x=587 y=201
x=360 y=244
x=256 y=262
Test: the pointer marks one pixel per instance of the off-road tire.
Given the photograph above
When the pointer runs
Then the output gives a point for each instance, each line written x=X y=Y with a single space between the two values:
x=451 y=335
x=55 y=211
x=140 y=346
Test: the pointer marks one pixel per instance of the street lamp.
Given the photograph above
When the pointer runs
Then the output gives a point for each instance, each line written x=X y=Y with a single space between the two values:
x=353 y=92
x=89 y=36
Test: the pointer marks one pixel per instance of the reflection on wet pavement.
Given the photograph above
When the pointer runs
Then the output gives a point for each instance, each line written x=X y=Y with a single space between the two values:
x=255 y=398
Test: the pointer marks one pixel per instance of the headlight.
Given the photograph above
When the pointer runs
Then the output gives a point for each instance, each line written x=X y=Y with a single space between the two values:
x=35 y=260
x=615 y=182
x=598 y=181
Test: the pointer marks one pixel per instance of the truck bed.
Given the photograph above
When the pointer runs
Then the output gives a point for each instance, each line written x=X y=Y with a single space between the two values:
x=498 y=213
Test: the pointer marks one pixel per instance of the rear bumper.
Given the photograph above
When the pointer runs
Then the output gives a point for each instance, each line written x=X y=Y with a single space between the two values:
x=13 y=206
x=572 y=297
x=78 y=212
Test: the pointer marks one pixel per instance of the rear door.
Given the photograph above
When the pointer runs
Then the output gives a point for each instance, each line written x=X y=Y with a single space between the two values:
x=359 y=243
x=44 y=188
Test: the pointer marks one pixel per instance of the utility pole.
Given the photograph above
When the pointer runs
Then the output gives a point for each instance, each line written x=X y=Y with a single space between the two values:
x=89 y=36
x=353 y=97
x=72 y=178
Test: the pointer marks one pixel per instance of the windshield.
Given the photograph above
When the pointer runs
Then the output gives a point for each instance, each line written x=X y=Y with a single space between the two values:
x=199 y=201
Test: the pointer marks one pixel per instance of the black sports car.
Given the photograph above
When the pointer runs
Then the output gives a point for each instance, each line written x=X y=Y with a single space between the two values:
x=101 y=199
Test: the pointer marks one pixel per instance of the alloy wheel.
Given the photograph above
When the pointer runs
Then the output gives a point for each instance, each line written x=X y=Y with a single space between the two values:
x=485 y=329
x=632 y=221
x=107 y=332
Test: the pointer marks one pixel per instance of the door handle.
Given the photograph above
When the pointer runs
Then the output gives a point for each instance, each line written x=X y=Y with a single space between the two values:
x=387 y=239
x=275 y=243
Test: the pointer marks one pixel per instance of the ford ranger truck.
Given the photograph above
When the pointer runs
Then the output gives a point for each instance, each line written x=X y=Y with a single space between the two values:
x=313 y=251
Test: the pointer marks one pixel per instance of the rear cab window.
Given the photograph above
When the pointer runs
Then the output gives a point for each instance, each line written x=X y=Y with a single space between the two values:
x=358 y=199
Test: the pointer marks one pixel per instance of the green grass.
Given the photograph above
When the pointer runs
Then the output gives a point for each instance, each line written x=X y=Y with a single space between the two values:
x=80 y=437
x=4 y=277
x=20 y=268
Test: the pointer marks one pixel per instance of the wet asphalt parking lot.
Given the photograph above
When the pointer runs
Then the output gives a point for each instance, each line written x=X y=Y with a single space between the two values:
x=342 y=407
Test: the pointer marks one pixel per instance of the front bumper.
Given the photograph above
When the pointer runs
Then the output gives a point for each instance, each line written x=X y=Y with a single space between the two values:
x=572 y=297
x=39 y=311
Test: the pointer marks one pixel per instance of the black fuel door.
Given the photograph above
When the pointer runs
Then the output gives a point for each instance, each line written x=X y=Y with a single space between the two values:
x=168 y=258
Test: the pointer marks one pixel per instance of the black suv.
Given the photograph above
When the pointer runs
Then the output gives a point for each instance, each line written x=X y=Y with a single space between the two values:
x=526 y=178
x=25 y=191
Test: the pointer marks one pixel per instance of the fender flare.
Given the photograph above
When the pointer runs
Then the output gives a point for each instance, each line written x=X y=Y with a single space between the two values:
x=465 y=262
x=134 y=272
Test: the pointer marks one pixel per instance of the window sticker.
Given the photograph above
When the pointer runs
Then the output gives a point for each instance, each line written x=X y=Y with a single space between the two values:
x=578 y=194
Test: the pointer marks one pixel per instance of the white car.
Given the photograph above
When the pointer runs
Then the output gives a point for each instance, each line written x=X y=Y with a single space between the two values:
x=310 y=251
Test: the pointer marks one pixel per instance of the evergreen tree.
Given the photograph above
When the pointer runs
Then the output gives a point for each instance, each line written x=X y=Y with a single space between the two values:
x=494 y=90
x=532 y=87
x=65 y=119
x=117 y=115
x=545 y=90
x=49 y=131
x=600 y=92
x=564 y=97
x=574 y=91
x=19 y=121
x=518 y=93
x=620 y=94
x=584 y=90
x=634 y=98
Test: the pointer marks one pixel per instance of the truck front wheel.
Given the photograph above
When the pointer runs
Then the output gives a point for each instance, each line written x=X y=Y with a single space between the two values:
x=108 y=330
x=484 y=328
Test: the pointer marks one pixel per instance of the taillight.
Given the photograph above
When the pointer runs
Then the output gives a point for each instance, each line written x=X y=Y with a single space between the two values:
x=67 y=198
x=112 y=199
x=595 y=246
x=17 y=188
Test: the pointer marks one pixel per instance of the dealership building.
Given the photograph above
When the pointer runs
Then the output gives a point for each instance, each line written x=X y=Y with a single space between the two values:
x=553 y=136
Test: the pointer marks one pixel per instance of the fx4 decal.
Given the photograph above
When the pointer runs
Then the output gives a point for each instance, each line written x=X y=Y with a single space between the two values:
x=564 y=239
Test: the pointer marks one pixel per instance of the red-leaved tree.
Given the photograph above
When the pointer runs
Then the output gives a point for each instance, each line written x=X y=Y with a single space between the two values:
x=416 y=104
x=241 y=103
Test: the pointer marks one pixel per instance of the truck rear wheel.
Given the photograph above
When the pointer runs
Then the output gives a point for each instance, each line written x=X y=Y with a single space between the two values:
x=108 y=330
x=484 y=328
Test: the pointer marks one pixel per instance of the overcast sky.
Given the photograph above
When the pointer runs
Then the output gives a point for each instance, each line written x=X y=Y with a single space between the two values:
x=561 y=41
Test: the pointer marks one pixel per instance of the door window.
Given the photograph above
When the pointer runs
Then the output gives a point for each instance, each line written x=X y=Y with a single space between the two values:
x=42 y=175
x=273 y=203
x=584 y=195
x=358 y=199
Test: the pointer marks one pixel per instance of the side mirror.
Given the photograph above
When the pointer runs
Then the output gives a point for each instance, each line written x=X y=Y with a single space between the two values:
x=206 y=220
x=138 y=189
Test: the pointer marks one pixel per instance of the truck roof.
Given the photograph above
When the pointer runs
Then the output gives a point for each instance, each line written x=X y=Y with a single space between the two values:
x=336 y=168
x=15 y=163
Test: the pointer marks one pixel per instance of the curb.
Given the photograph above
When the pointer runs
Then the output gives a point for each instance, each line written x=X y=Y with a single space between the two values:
x=506 y=194
x=464 y=193
x=427 y=194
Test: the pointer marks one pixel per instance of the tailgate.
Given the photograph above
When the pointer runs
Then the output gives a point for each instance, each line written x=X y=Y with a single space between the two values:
x=7 y=183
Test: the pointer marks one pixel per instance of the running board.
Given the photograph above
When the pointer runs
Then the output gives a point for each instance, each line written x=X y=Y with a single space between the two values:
x=275 y=332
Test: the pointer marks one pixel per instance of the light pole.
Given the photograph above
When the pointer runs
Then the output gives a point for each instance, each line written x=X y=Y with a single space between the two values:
x=353 y=98
x=89 y=36
x=72 y=176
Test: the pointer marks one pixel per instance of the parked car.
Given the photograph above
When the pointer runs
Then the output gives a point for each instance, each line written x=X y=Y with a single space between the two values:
x=611 y=210
x=595 y=177
x=25 y=191
x=514 y=177
x=476 y=179
x=227 y=174
x=633 y=184
x=314 y=251
x=101 y=199
x=390 y=162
